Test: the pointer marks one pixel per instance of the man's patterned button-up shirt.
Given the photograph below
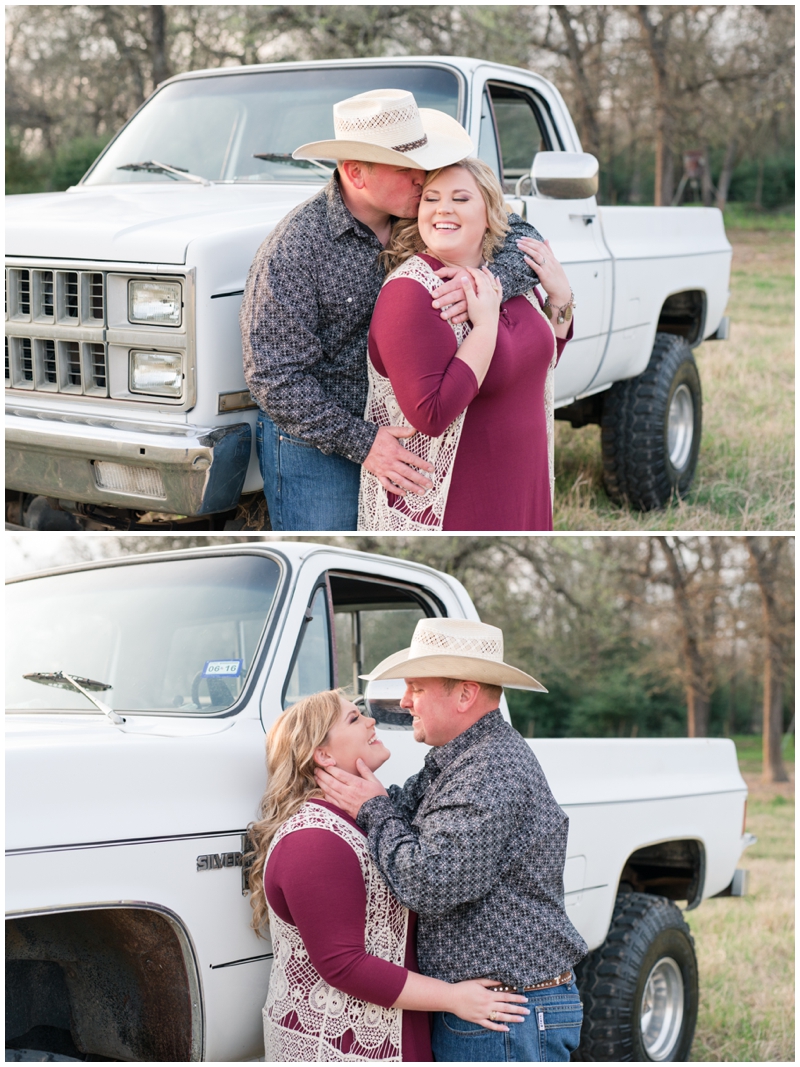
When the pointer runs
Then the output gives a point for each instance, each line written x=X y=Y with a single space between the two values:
x=475 y=843
x=305 y=319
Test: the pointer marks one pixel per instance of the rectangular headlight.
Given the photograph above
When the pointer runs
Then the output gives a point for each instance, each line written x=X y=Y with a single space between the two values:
x=156 y=373
x=158 y=303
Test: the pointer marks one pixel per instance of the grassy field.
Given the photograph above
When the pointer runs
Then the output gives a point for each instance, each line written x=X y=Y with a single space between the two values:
x=745 y=946
x=745 y=475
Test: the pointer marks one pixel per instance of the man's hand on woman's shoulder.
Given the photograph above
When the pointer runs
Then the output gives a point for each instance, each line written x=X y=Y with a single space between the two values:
x=349 y=791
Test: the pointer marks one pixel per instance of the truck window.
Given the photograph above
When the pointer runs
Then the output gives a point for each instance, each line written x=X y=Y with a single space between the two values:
x=373 y=619
x=213 y=126
x=522 y=130
x=312 y=669
x=170 y=636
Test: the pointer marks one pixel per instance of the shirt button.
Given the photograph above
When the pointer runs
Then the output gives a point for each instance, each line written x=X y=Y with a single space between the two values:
x=349 y=300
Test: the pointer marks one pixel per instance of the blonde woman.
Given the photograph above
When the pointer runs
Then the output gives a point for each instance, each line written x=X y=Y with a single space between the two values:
x=480 y=395
x=344 y=982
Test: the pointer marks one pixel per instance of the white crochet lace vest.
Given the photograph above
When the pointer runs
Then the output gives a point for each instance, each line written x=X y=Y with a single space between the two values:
x=325 y=1014
x=426 y=512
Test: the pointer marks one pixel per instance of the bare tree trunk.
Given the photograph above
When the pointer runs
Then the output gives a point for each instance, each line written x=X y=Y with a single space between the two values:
x=698 y=709
x=764 y=553
x=706 y=185
x=587 y=97
x=773 y=769
x=727 y=173
x=698 y=704
x=158 y=44
x=656 y=50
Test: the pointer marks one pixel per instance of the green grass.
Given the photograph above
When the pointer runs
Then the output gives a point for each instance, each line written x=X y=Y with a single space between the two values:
x=745 y=217
x=749 y=750
x=745 y=946
x=745 y=474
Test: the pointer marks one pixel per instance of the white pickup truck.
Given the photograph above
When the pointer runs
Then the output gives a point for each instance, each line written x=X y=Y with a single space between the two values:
x=125 y=397
x=129 y=791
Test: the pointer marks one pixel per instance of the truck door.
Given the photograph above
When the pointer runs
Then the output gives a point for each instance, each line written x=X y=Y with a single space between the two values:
x=516 y=124
x=352 y=621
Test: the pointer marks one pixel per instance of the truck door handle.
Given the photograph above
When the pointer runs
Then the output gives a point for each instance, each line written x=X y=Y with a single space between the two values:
x=587 y=219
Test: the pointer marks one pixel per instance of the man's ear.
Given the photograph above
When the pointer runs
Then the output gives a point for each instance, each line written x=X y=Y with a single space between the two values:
x=467 y=696
x=323 y=758
x=354 y=172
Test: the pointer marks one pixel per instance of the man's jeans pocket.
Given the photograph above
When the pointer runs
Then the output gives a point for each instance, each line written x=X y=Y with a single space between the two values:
x=557 y=1015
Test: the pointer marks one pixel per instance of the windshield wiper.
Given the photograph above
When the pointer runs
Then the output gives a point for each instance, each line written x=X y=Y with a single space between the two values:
x=283 y=157
x=152 y=166
x=69 y=681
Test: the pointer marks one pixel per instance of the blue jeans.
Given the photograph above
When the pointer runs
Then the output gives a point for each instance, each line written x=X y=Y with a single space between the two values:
x=549 y=1034
x=305 y=489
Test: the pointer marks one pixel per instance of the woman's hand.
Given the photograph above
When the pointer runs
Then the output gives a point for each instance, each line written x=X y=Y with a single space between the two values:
x=539 y=257
x=484 y=295
x=477 y=1002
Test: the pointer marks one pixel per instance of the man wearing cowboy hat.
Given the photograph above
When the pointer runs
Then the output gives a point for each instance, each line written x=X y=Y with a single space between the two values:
x=475 y=843
x=308 y=302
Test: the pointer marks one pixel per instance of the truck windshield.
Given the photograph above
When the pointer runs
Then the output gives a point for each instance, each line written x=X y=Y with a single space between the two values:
x=214 y=127
x=174 y=636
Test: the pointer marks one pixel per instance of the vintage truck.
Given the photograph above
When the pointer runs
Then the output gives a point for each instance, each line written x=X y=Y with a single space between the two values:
x=125 y=397
x=139 y=692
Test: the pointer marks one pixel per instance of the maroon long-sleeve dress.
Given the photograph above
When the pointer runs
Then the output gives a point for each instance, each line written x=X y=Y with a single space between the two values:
x=313 y=880
x=501 y=478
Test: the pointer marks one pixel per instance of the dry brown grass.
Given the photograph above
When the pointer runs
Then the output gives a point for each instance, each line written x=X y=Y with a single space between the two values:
x=745 y=947
x=745 y=476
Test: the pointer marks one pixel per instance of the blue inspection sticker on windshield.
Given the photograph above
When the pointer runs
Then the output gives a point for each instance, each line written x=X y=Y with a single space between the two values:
x=222 y=668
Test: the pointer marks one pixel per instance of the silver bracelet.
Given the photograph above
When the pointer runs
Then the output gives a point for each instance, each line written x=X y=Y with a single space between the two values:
x=561 y=314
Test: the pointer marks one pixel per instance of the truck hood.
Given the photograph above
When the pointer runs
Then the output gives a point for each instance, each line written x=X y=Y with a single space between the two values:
x=73 y=779
x=147 y=223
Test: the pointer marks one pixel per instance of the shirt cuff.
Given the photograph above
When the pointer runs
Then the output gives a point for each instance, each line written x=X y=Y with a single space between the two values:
x=357 y=441
x=374 y=811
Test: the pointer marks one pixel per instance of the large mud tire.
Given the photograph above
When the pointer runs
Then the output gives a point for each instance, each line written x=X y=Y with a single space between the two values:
x=639 y=988
x=651 y=429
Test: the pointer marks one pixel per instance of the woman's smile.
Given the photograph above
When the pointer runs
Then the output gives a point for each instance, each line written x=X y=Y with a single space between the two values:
x=352 y=738
x=452 y=217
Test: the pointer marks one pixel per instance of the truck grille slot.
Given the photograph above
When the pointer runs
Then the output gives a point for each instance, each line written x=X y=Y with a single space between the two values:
x=43 y=295
x=24 y=292
x=49 y=364
x=73 y=352
x=96 y=299
x=69 y=295
x=97 y=365
x=26 y=358
x=8 y=365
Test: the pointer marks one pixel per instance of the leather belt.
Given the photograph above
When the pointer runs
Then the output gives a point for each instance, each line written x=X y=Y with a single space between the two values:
x=547 y=983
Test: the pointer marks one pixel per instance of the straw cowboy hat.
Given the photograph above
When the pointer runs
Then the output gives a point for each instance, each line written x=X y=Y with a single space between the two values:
x=455 y=648
x=386 y=126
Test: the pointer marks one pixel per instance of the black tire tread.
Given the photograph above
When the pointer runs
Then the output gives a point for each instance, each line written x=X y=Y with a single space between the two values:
x=632 y=430
x=607 y=977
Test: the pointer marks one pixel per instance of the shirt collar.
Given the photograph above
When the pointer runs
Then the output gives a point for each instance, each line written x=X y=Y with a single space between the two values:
x=340 y=219
x=446 y=754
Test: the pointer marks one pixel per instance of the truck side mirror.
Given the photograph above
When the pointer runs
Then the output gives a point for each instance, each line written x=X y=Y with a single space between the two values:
x=382 y=703
x=564 y=175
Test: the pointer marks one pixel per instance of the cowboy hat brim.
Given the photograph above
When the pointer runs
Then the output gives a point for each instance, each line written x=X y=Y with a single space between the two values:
x=466 y=668
x=448 y=142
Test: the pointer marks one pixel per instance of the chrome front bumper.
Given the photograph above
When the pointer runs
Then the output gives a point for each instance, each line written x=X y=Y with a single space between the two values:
x=185 y=470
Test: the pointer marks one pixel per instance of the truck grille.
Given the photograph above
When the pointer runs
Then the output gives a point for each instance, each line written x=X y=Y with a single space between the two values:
x=67 y=297
x=43 y=363
x=56 y=298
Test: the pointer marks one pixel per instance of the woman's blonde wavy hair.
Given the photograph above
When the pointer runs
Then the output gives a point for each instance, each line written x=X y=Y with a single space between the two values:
x=291 y=744
x=405 y=240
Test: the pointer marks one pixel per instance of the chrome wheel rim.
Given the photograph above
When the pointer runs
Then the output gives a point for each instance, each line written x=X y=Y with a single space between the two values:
x=680 y=427
x=661 y=1016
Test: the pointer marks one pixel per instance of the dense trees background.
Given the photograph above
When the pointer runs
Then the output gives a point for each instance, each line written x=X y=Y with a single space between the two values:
x=645 y=83
x=633 y=636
